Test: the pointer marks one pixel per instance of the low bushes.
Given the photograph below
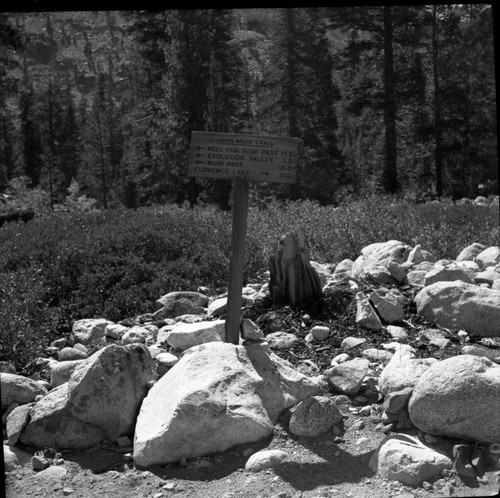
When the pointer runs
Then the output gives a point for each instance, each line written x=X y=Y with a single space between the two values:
x=66 y=266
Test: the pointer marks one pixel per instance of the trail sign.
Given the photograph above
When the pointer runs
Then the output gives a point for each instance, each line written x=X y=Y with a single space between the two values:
x=242 y=158
x=253 y=158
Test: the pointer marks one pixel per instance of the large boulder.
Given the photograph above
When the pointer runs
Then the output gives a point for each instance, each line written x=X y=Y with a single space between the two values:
x=218 y=395
x=461 y=306
x=459 y=398
x=378 y=263
x=405 y=459
x=18 y=389
x=403 y=370
x=186 y=335
x=100 y=400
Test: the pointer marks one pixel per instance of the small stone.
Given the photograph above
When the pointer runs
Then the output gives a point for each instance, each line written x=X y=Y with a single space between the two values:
x=68 y=491
x=320 y=333
x=351 y=342
x=170 y=486
x=430 y=439
x=358 y=425
x=158 y=495
x=427 y=485
x=341 y=358
x=123 y=441
x=39 y=463
x=362 y=441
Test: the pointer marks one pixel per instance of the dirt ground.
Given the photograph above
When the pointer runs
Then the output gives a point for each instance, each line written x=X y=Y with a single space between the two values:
x=331 y=465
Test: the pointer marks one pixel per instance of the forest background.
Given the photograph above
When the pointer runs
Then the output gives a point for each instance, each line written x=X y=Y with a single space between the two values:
x=394 y=99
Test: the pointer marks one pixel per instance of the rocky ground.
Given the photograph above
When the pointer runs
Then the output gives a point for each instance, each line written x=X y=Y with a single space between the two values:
x=324 y=466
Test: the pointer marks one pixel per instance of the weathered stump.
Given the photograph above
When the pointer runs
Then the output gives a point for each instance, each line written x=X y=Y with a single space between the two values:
x=293 y=280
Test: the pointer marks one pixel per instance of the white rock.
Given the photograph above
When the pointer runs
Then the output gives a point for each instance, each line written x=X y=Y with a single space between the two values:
x=60 y=372
x=387 y=305
x=250 y=330
x=281 y=340
x=351 y=342
x=323 y=272
x=341 y=358
x=186 y=335
x=469 y=253
x=167 y=359
x=217 y=307
x=402 y=371
x=115 y=330
x=447 y=274
x=405 y=459
x=100 y=400
x=459 y=398
x=218 y=395
x=265 y=459
x=489 y=257
x=397 y=332
x=136 y=334
x=347 y=377
x=14 y=457
x=476 y=350
x=320 y=333
x=89 y=330
x=457 y=305
x=16 y=388
x=365 y=314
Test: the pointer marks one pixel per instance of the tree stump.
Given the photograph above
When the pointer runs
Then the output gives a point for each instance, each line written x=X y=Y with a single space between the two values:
x=293 y=280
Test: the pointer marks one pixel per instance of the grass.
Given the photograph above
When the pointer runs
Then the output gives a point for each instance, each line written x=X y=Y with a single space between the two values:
x=62 y=267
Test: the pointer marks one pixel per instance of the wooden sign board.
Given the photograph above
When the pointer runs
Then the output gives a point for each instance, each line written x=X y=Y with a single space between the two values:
x=252 y=158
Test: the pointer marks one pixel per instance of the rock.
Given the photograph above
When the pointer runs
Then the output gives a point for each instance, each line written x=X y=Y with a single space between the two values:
x=14 y=457
x=89 y=330
x=320 y=333
x=217 y=307
x=351 y=342
x=16 y=421
x=469 y=253
x=68 y=354
x=163 y=333
x=218 y=395
x=488 y=276
x=186 y=335
x=342 y=271
x=39 y=462
x=476 y=350
x=179 y=303
x=16 y=388
x=100 y=400
x=459 y=398
x=398 y=272
x=136 y=334
x=314 y=416
x=416 y=255
x=61 y=372
x=281 y=340
x=405 y=459
x=53 y=474
x=115 y=330
x=250 y=331
x=265 y=459
x=377 y=355
x=489 y=257
x=387 y=305
x=347 y=377
x=458 y=305
x=398 y=333
x=402 y=371
x=447 y=274
x=307 y=367
x=365 y=314
x=341 y=358
x=164 y=362
x=396 y=401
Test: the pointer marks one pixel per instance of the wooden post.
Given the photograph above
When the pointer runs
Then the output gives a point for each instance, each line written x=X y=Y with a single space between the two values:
x=238 y=233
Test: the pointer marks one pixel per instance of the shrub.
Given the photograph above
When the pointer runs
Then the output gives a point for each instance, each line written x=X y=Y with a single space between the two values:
x=115 y=264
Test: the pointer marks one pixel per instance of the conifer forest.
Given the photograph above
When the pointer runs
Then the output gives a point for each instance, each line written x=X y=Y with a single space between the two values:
x=389 y=99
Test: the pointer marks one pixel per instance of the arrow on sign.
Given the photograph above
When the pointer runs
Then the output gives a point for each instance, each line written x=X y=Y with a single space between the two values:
x=200 y=155
x=265 y=173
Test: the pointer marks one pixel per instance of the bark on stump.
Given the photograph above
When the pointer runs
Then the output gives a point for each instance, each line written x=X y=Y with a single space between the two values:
x=293 y=280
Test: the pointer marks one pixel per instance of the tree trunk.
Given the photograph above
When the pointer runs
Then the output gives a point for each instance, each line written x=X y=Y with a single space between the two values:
x=293 y=280
x=390 y=175
x=437 y=106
